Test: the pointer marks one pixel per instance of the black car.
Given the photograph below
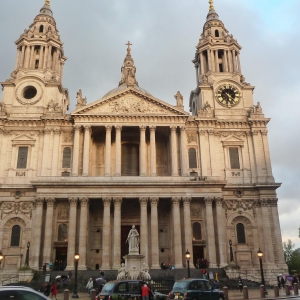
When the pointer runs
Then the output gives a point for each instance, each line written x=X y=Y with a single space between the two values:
x=195 y=289
x=123 y=290
x=20 y=293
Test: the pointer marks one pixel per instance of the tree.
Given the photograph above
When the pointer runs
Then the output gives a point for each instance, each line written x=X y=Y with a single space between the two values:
x=288 y=249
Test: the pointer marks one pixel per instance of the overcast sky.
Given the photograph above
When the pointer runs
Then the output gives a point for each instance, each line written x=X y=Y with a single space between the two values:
x=164 y=34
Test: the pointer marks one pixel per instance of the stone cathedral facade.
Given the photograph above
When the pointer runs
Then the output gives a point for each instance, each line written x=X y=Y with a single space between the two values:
x=78 y=181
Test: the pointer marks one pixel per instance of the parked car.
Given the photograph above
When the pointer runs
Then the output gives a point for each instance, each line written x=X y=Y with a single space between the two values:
x=195 y=289
x=160 y=296
x=123 y=290
x=20 y=293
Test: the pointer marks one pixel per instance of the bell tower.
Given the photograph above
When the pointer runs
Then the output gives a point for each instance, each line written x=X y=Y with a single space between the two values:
x=220 y=83
x=35 y=86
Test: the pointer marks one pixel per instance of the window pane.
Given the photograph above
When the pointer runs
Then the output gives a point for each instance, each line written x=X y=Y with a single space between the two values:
x=66 y=158
x=62 y=232
x=240 y=232
x=234 y=158
x=197 y=231
x=22 y=158
x=192 y=158
x=15 y=236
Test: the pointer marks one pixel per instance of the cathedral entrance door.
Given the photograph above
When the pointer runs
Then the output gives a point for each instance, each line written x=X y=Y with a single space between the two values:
x=124 y=234
x=61 y=258
x=198 y=253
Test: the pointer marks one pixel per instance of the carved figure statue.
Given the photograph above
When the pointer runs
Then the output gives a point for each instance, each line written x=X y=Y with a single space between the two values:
x=2 y=107
x=133 y=239
x=122 y=273
x=145 y=272
x=258 y=108
x=179 y=99
x=80 y=100
x=53 y=107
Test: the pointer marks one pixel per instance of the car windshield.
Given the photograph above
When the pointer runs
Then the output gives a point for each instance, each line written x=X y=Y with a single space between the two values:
x=180 y=285
x=108 y=287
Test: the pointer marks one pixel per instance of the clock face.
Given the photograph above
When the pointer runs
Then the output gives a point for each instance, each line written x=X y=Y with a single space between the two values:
x=228 y=95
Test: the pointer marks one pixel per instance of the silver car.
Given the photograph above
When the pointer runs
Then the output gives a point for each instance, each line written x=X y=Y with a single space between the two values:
x=20 y=293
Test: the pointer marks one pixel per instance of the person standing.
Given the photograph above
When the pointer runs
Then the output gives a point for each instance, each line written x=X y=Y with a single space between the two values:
x=89 y=286
x=240 y=284
x=145 y=292
x=54 y=290
x=203 y=273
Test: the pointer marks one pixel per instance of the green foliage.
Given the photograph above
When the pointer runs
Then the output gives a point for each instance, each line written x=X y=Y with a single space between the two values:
x=291 y=256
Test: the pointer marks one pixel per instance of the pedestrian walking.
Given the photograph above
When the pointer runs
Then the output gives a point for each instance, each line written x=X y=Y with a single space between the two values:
x=145 y=292
x=240 y=284
x=53 y=290
x=89 y=285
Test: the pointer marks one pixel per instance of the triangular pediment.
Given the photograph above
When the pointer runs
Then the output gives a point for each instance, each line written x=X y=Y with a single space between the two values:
x=23 y=138
x=233 y=140
x=129 y=102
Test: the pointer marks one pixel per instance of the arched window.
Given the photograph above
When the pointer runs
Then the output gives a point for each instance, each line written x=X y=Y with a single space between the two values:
x=62 y=233
x=15 y=236
x=217 y=33
x=66 y=163
x=42 y=28
x=240 y=232
x=197 y=231
x=192 y=158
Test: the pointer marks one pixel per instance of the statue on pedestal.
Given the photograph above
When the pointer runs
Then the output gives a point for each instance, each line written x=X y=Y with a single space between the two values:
x=133 y=240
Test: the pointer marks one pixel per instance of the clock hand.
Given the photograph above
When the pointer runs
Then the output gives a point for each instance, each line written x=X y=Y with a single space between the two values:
x=230 y=97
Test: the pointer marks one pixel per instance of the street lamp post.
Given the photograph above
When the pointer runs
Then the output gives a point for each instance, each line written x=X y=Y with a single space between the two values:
x=27 y=255
x=188 y=256
x=260 y=255
x=76 y=257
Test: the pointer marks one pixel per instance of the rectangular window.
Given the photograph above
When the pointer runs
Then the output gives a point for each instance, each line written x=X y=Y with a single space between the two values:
x=22 y=158
x=234 y=158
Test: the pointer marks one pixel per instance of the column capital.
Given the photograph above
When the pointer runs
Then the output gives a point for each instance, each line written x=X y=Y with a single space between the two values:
x=39 y=201
x=117 y=201
x=108 y=127
x=50 y=202
x=152 y=128
x=154 y=200
x=173 y=128
x=84 y=201
x=211 y=132
x=118 y=128
x=73 y=201
x=202 y=132
x=219 y=200
x=143 y=201
x=106 y=201
x=77 y=128
x=142 y=128
x=208 y=200
x=57 y=131
x=176 y=200
x=182 y=128
x=87 y=128
x=186 y=201
x=264 y=132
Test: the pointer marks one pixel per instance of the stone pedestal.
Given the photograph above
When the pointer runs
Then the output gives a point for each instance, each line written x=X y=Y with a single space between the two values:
x=134 y=260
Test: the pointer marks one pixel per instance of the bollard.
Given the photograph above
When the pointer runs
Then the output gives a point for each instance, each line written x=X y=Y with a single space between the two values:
x=66 y=294
x=262 y=291
x=245 y=292
x=295 y=286
x=225 y=290
x=276 y=292
x=287 y=290
x=93 y=294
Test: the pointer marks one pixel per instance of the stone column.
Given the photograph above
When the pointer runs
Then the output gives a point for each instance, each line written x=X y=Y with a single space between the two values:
x=142 y=150
x=41 y=56
x=202 y=63
x=212 y=148
x=234 y=61
x=27 y=56
x=265 y=143
x=152 y=151
x=203 y=155
x=144 y=229
x=213 y=67
x=72 y=233
x=225 y=61
x=47 y=135
x=210 y=233
x=49 y=61
x=31 y=60
x=239 y=63
x=154 y=234
x=107 y=150
x=258 y=156
x=84 y=205
x=22 y=56
x=118 y=150
x=174 y=151
x=117 y=232
x=230 y=62
x=106 y=234
x=37 y=233
x=177 y=246
x=183 y=152
x=17 y=59
x=221 y=232
x=75 y=161
x=45 y=58
x=188 y=236
x=209 y=60
x=86 y=150
x=48 y=246
x=56 y=149
x=217 y=61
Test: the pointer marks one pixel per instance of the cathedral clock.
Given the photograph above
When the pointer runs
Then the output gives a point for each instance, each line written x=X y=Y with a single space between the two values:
x=228 y=95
